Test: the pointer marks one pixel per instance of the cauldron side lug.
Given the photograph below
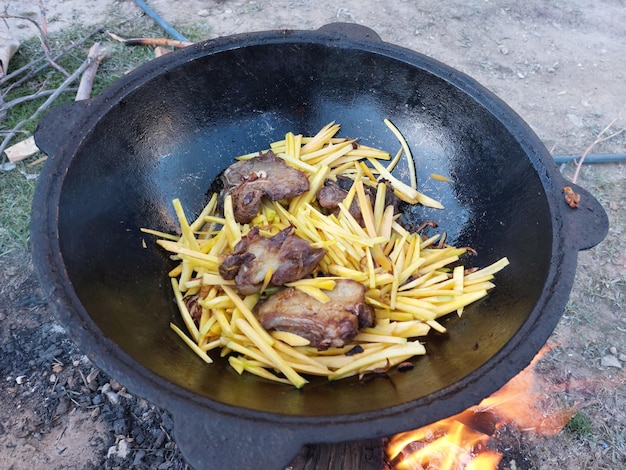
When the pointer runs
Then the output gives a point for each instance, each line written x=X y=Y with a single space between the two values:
x=227 y=442
x=588 y=224
x=353 y=31
x=54 y=130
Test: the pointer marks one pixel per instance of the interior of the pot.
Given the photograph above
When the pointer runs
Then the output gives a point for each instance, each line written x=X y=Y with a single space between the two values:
x=171 y=136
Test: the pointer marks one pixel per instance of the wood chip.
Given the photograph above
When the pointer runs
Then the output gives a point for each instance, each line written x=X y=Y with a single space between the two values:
x=22 y=150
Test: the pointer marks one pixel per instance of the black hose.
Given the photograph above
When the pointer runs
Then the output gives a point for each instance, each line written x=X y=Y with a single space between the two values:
x=158 y=20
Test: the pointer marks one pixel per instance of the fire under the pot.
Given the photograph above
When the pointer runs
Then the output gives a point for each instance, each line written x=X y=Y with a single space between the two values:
x=473 y=439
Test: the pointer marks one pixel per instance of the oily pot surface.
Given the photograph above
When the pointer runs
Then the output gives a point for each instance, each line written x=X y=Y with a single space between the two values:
x=171 y=136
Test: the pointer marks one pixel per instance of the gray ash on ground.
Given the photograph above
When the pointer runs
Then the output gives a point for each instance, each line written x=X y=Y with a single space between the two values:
x=46 y=379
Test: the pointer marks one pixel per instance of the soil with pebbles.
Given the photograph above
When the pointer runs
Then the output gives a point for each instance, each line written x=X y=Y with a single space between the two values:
x=558 y=64
x=59 y=411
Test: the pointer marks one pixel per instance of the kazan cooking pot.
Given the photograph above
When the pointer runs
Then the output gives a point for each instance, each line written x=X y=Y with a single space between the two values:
x=168 y=129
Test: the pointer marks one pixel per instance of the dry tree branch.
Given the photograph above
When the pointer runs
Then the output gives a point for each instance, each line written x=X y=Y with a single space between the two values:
x=601 y=137
x=44 y=18
x=97 y=54
x=39 y=69
x=23 y=99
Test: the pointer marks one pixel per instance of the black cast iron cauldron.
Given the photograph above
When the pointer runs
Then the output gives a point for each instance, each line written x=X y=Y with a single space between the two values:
x=169 y=127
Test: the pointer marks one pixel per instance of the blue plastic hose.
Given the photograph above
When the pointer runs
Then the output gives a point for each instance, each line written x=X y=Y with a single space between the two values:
x=158 y=20
x=600 y=158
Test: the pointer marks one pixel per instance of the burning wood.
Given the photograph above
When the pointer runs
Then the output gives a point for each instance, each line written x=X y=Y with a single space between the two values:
x=150 y=41
x=462 y=442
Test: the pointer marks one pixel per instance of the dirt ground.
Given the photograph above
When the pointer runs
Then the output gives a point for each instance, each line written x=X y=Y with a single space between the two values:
x=559 y=64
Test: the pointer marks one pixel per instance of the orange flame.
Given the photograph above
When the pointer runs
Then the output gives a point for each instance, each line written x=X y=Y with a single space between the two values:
x=460 y=442
x=446 y=445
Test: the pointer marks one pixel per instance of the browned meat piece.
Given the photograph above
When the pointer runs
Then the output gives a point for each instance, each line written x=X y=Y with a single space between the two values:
x=248 y=181
x=334 y=323
x=192 y=302
x=193 y=306
x=333 y=193
x=289 y=256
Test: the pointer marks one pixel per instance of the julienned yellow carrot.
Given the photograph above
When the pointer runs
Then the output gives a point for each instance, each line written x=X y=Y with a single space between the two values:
x=409 y=280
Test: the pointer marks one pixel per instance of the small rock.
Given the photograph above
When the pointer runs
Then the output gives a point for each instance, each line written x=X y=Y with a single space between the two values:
x=62 y=407
x=503 y=49
x=115 y=385
x=610 y=361
x=203 y=13
x=137 y=461
x=92 y=375
x=576 y=120
x=119 y=450
x=160 y=439
x=120 y=427
x=167 y=422
x=622 y=357
x=520 y=75
x=613 y=350
x=113 y=397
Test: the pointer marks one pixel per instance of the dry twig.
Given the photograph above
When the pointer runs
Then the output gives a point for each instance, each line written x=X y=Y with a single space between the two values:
x=23 y=99
x=602 y=137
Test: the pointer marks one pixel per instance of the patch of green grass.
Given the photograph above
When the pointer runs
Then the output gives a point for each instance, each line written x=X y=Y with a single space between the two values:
x=16 y=194
x=580 y=427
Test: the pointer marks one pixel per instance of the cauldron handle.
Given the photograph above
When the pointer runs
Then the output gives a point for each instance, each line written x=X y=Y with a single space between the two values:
x=588 y=224
x=56 y=128
x=226 y=442
x=351 y=30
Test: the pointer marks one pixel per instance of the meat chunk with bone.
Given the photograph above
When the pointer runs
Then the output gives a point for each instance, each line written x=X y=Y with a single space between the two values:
x=248 y=181
x=333 y=193
x=288 y=256
x=331 y=324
